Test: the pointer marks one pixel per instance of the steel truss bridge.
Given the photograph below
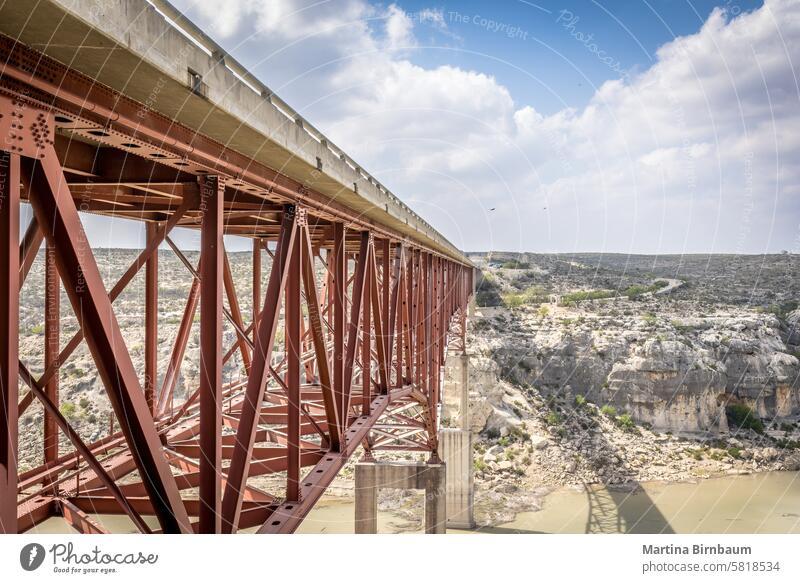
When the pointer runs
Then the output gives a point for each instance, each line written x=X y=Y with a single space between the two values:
x=369 y=296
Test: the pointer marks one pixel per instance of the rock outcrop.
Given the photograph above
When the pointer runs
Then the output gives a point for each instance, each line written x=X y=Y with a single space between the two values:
x=673 y=374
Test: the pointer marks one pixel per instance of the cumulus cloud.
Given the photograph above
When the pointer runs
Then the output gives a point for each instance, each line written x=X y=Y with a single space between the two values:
x=696 y=153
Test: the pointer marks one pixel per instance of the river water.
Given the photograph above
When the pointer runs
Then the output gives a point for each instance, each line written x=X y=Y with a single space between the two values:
x=757 y=503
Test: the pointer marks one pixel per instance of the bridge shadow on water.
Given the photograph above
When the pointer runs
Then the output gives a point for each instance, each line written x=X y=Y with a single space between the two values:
x=621 y=509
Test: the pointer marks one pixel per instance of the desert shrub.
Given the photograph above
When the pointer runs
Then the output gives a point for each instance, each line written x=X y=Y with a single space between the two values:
x=552 y=418
x=625 y=421
x=580 y=400
x=67 y=409
x=697 y=454
x=579 y=296
x=608 y=410
x=514 y=264
x=649 y=318
x=735 y=452
x=743 y=417
x=84 y=402
x=532 y=295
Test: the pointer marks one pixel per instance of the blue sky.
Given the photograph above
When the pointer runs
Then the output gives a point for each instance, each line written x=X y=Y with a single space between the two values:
x=539 y=61
x=637 y=127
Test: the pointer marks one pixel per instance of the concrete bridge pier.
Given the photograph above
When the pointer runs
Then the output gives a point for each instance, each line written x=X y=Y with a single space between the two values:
x=372 y=476
x=455 y=444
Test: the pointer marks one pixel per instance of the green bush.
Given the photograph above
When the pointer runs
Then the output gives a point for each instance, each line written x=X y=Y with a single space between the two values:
x=743 y=417
x=553 y=418
x=514 y=264
x=625 y=421
x=608 y=410
x=532 y=295
x=735 y=452
x=580 y=400
x=579 y=296
x=67 y=410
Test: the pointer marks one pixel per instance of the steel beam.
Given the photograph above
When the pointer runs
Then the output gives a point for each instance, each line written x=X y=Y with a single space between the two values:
x=212 y=265
x=151 y=319
x=339 y=297
x=292 y=319
x=256 y=282
x=52 y=338
x=9 y=337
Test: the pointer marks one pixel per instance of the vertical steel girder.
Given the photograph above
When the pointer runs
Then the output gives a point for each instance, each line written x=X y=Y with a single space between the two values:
x=212 y=191
x=291 y=320
x=9 y=339
x=366 y=341
x=256 y=282
x=151 y=320
x=338 y=290
x=52 y=339
x=58 y=217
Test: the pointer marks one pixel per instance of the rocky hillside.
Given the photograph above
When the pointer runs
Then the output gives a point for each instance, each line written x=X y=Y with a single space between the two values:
x=648 y=346
x=583 y=373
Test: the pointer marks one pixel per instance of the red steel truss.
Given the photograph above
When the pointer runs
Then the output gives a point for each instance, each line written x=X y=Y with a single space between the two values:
x=367 y=316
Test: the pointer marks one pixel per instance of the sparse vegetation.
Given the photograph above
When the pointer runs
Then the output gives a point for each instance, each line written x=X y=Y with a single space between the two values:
x=608 y=410
x=649 y=318
x=552 y=418
x=625 y=421
x=67 y=409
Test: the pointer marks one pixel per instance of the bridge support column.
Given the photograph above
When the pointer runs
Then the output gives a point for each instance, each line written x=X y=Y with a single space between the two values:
x=455 y=444
x=372 y=476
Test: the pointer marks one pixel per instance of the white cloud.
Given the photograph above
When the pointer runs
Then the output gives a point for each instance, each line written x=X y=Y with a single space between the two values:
x=399 y=29
x=698 y=152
